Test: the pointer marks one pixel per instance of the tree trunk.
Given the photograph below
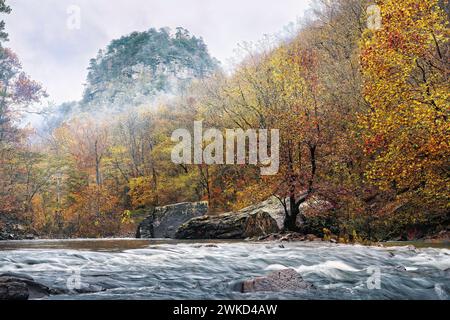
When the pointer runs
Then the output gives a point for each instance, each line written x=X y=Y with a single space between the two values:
x=290 y=223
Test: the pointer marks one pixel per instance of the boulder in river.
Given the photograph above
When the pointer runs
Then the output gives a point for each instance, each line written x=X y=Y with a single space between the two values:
x=15 y=286
x=21 y=287
x=282 y=280
x=163 y=222
x=240 y=225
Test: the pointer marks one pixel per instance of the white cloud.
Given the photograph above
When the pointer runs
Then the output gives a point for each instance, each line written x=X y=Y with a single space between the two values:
x=58 y=57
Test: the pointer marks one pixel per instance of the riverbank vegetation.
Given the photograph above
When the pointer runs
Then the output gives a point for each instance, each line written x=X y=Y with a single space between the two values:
x=362 y=113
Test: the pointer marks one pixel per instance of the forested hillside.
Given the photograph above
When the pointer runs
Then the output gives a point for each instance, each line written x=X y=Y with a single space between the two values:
x=138 y=69
x=362 y=112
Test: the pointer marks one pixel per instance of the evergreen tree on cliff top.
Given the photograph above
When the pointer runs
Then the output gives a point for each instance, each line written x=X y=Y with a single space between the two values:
x=4 y=8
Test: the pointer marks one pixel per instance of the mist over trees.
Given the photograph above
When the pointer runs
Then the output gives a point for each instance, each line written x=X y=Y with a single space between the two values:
x=362 y=113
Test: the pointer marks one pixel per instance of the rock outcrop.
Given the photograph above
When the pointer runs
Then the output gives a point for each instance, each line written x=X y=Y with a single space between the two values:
x=274 y=207
x=189 y=221
x=163 y=222
x=255 y=221
x=282 y=280
x=231 y=225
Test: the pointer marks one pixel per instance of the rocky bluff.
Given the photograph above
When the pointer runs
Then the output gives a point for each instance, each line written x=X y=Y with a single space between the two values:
x=191 y=221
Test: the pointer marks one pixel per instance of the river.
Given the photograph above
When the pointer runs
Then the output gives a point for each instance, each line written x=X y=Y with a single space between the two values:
x=164 y=269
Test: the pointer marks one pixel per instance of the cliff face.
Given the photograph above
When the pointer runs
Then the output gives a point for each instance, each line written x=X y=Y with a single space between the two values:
x=138 y=67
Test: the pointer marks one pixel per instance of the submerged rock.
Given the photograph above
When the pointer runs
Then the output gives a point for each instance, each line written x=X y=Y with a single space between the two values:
x=282 y=280
x=239 y=225
x=400 y=268
x=163 y=222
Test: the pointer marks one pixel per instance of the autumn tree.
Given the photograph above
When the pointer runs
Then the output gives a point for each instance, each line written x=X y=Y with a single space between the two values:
x=406 y=82
x=17 y=93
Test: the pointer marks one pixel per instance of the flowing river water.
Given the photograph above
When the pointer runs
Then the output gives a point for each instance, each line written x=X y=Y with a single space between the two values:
x=162 y=269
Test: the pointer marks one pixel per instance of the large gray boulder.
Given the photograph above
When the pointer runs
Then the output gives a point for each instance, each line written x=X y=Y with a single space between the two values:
x=163 y=222
x=21 y=287
x=233 y=225
x=14 y=286
x=282 y=280
x=276 y=210
x=272 y=206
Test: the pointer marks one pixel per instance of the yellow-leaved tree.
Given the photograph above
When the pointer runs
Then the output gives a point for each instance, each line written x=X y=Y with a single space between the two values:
x=405 y=66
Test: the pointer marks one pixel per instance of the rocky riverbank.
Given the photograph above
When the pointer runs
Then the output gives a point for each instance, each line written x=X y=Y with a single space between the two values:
x=261 y=222
x=12 y=228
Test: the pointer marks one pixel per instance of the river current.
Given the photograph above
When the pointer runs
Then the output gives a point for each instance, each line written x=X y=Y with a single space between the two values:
x=152 y=269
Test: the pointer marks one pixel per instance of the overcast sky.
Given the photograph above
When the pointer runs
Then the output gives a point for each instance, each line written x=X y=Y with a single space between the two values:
x=57 y=56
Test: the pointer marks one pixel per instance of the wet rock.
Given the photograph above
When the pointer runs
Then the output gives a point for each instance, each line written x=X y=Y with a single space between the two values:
x=312 y=237
x=270 y=237
x=400 y=268
x=228 y=226
x=21 y=287
x=13 y=290
x=293 y=236
x=211 y=246
x=282 y=280
x=15 y=286
x=411 y=248
x=163 y=222
x=88 y=289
